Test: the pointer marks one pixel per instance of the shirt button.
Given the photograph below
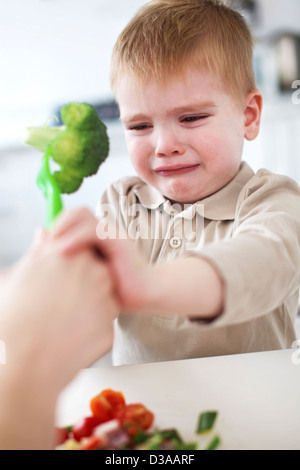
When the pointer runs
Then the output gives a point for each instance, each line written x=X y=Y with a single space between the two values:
x=175 y=242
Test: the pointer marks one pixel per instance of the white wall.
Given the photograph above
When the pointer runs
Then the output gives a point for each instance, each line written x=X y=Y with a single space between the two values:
x=279 y=15
x=53 y=51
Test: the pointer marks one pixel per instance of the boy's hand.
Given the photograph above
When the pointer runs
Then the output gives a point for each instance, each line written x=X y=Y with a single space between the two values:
x=77 y=230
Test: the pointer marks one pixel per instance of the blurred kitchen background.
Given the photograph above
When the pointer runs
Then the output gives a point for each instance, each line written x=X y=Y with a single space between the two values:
x=55 y=51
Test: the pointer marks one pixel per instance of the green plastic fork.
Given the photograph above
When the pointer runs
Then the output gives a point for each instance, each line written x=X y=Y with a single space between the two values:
x=47 y=184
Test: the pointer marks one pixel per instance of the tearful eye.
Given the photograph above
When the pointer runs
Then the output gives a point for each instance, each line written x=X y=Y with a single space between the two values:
x=139 y=127
x=198 y=117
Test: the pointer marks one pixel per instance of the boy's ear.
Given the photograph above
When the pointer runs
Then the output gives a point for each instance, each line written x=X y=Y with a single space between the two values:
x=252 y=114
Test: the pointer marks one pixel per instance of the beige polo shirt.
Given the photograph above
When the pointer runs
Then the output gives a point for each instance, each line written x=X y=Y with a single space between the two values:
x=249 y=230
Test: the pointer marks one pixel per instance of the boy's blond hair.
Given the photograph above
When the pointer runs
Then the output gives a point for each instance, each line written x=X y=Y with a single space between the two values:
x=166 y=37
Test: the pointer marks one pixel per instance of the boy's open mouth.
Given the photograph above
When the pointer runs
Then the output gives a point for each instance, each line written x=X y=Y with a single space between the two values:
x=175 y=169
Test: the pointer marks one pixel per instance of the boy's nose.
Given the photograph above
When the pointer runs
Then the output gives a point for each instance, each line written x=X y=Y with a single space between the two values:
x=168 y=144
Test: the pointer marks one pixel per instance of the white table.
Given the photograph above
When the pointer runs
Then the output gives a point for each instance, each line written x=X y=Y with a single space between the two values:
x=256 y=395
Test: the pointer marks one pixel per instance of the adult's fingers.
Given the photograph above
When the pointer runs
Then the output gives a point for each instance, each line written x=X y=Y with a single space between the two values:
x=39 y=238
x=83 y=236
x=70 y=219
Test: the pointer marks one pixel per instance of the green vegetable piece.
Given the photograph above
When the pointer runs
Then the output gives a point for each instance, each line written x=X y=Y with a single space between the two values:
x=40 y=137
x=171 y=434
x=165 y=440
x=214 y=443
x=140 y=437
x=69 y=428
x=206 y=421
x=185 y=446
x=79 y=147
x=153 y=442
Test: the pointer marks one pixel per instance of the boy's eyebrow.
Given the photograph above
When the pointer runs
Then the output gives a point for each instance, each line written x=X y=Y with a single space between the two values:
x=197 y=108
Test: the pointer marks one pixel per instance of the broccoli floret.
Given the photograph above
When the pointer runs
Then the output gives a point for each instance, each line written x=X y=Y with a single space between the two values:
x=79 y=146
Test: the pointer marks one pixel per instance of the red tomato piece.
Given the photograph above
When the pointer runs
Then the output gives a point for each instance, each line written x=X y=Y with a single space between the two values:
x=135 y=417
x=91 y=443
x=116 y=399
x=101 y=408
x=85 y=427
x=106 y=404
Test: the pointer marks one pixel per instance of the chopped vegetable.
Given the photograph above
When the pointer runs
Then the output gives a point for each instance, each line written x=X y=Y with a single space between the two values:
x=214 y=443
x=105 y=405
x=164 y=440
x=206 y=421
x=79 y=147
x=117 y=425
x=91 y=443
x=70 y=444
x=135 y=418
x=85 y=427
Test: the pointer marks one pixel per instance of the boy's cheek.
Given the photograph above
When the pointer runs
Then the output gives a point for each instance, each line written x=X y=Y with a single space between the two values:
x=139 y=158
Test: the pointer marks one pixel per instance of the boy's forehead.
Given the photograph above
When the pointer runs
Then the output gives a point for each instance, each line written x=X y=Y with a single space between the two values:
x=191 y=89
x=191 y=107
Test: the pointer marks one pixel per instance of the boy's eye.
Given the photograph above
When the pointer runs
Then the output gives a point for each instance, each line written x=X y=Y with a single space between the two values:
x=195 y=118
x=139 y=127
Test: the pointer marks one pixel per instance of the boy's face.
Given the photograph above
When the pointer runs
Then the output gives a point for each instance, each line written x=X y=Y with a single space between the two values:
x=184 y=138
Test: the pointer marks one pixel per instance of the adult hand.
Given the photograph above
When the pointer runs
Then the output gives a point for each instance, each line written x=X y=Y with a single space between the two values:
x=57 y=312
x=56 y=317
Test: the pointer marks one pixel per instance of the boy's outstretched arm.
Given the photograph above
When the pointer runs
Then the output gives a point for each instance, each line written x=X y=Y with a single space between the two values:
x=189 y=286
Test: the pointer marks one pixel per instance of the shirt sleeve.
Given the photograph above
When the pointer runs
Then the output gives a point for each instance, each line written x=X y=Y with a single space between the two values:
x=260 y=264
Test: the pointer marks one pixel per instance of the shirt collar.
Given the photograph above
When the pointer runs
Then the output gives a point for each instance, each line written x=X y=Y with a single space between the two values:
x=219 y=206
x=148 y=196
